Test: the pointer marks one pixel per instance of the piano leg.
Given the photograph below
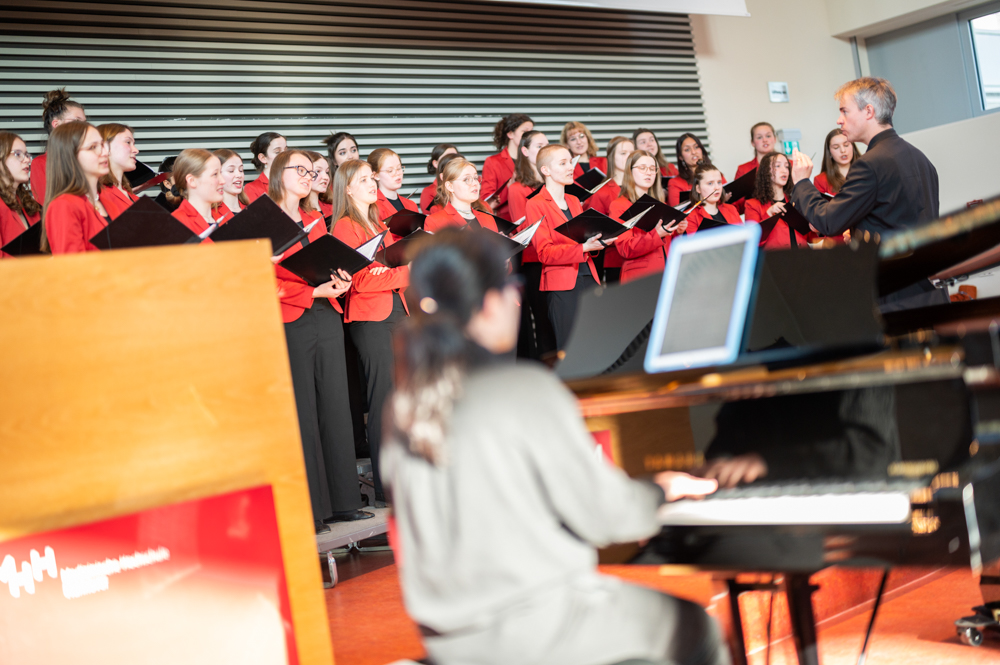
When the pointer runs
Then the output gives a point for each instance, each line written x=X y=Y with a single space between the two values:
x=799 y=592
x=738 y=645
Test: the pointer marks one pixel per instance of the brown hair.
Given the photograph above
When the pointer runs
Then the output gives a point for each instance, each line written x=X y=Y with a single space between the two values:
x=190 y=162
x=108 y=132
x=343 y=206
x=524 y=172
x=437 y=153
x=699 y=171
x=55 y=104
x=450 y=173
x=378 y=156
x=682 y=167
x=610 y=153
x=508 y=123
x=573 y=126
x=17 y=196
x=442 y=162
x=628 y=182
x=260 y=146
x=63 y=173
x=660 y=160
x=763 y=189
x=829 y=167
x=333 y=141
x=324 y=196
x=761 y=124
x=224 y=155
x=275 y=186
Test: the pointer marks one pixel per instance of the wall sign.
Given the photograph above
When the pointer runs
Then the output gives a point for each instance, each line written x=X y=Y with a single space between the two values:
x=778 y=90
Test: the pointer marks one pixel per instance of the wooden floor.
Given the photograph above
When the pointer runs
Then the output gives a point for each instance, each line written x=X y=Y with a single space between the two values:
x=369 y=625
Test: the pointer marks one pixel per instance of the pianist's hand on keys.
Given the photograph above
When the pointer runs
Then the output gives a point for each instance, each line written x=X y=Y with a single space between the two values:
x=677 y=485
x=731 y=471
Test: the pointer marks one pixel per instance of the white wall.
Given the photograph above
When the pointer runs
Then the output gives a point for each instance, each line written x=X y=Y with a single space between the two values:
x=966 y=155
x=783 y=40
x=863 y=18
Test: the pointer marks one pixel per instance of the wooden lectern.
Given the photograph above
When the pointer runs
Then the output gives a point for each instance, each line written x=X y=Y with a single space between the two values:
x=140 y=378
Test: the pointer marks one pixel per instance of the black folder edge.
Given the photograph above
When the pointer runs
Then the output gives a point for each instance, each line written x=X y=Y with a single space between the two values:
x=383 y=255
x=579 y=192
x=310 y=260
x=170 y=231
x=140 y=175
x=304 y=233
x=504 y=226
x=32 y=236
x=407 y=215
x=742 y=187
x=535 y=192
x=588 y=181
x=650 y=219
x=608 y=227
x=288 y=232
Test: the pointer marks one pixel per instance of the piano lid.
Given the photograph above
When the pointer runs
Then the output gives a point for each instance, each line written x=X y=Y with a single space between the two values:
x=921 y=252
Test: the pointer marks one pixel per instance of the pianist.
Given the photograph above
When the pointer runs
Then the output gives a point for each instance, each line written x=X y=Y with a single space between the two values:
x=499 y=498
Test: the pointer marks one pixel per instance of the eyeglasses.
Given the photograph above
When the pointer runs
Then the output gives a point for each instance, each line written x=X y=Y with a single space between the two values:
x=644 y=169
x=97 y=147
x=304 y=172
x=20 y=155
x=578 y=137
x=471 y=180
x=395 y=171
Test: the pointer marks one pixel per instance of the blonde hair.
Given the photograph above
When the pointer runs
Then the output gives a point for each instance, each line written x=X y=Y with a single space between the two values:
x=190 y=162
x=450 y=173
x=108 y=132
x=325 y=197
x=546 y=155
x=224 y=155
x=628 y=182
x=378 y=156
x=63 y=173
x=573 y=126
x=612 y=148
x=343 y=205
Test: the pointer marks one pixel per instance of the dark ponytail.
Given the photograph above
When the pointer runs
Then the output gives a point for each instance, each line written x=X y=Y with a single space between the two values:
x=55 y=104
x=436 y=153
x=260 y=146
x=449 y=278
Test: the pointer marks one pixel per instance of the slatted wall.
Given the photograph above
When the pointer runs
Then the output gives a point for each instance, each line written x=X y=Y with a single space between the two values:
x=405 y=74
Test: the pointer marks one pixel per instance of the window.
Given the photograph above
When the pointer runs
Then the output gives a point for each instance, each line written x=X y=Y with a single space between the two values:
x=986 y=51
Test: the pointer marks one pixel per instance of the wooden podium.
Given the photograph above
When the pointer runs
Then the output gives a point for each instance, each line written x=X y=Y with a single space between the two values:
x=140 y=378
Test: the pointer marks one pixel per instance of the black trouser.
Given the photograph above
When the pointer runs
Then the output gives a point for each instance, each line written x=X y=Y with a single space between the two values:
x=373 y=340
x=319 y=378
x=563 y=304
x=536 y=337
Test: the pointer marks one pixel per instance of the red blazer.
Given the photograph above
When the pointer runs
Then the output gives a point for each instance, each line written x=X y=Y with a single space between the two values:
x=191 y=218
x=728 y=212
x=12 y=225
x=224 y=214
x=497 y=171
x=599 y=163
x=756 y=211
x=823 y=185
x=644 y=252
x=676 y=188
x=560 y=256
x=257 y=188
x=442 y=219
x=70 y=222
x=601 y=201
x=517 y=206
x=294 y=293
x=743 y=169
x=115 y=201
x=325 y=209
x=38 y=177
x=668 y=171
x=386 y=209
x=427 y=196
x=370 y=297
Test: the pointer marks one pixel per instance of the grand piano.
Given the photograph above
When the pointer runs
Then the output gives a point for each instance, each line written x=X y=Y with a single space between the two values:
x=879 y=423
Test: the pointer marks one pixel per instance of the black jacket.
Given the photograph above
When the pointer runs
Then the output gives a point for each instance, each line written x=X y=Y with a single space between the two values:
x=892 y=186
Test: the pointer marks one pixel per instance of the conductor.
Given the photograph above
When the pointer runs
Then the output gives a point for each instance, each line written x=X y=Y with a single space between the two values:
x=892 y=186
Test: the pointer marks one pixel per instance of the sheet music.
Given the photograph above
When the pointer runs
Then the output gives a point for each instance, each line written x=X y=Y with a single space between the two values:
x=525 y=236
x=635 y=220
x=207 y=232
x=368 y=249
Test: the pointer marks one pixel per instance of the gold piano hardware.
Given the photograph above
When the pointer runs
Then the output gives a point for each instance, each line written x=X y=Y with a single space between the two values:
x=949 y=479
x=673 y=461
x=924 y=522
x=839 y=542
x=913 y=469
x=922 y=495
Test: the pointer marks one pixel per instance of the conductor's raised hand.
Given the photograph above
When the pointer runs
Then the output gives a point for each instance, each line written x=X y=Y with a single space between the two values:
x=678 y=485
x=595 y=244
x=802 y=166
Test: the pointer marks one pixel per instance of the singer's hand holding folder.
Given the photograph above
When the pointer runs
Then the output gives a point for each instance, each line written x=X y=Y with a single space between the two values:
x=143 y=224
x=650 y=212
x=792 y=217
x=262 y=219
x=590 y=223
x=318 y=261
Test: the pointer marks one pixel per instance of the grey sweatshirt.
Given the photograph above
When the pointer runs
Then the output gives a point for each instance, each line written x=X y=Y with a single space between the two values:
x=519 y=506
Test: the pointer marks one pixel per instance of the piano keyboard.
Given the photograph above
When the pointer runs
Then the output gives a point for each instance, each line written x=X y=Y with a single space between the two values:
x=878 y=502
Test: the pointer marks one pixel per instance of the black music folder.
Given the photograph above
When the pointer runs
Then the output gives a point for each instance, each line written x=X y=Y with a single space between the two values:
x=396 y=254
x=650 y=212
x=591 y=178
x=26 y=244
x=536 y=191
x=791 y=216
x=143 y=224
x=404 y=222
x=584 y=193
x=742 y=187
x=588 y=224
x=515 y=244
x=323 y=257
x=261 y=219
x=504 y=226
x=708 y=223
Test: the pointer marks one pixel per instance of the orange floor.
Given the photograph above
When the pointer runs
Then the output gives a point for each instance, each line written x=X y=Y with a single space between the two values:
x=369 y=625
